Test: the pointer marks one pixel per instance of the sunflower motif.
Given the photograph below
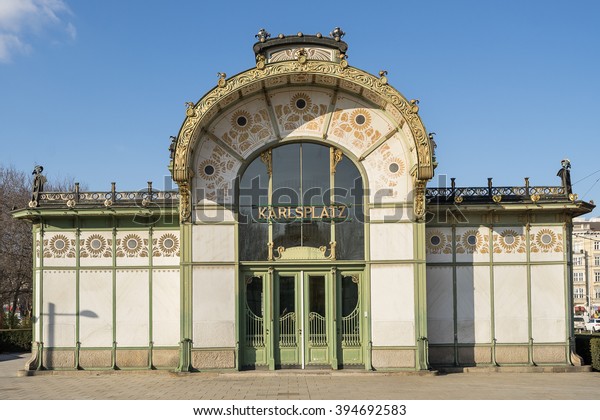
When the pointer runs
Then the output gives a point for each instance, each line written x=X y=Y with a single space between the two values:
x=435 y=241
x=509 y=240
x=546 y=240
x=241 y=120
x=131 y=244
x=301 y=103
x=59 y=245
x=472 y=240
x=360 y=119
x=396 y=167
x=209 y=169
x=95 y=245
x=168 y=244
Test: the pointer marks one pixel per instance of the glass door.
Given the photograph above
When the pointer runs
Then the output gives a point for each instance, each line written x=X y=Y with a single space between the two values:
x=349 y=325
x=317 y=319
x=255 y=316
x=287 y=320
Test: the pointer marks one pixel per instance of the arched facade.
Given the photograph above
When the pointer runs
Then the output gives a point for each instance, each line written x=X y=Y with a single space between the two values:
x=310 y=99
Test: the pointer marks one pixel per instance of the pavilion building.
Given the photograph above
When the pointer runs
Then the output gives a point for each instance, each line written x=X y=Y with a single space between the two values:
x=303 y=235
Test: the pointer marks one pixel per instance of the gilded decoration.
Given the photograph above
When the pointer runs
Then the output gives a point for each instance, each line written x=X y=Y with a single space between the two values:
x=419 y=198
x=301 y=112
x=166 y=245
x=546 y=240
x=437 y=242
x=193 y=124
x=185 y=209
x=509 y=241
x=472 y=242
x=95 y=246
x=311 y=53
x=59 y=246
x=215 y=173
x=355 y=126
x=389 y=168
x=132 y=245
x=247 y=130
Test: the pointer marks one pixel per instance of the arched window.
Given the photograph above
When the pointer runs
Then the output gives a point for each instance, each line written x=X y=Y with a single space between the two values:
x=301 y=195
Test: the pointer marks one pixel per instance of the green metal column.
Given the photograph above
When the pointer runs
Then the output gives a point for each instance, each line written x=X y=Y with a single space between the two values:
x=185 y=354
x=420 y=282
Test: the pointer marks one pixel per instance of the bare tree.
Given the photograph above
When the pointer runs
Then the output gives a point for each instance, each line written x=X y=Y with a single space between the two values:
x=16 y=242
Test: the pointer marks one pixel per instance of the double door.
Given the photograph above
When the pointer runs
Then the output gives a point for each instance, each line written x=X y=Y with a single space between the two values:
x=301 y=319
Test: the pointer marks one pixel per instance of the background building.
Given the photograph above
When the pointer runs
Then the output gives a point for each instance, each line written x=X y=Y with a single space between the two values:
x=586 y=266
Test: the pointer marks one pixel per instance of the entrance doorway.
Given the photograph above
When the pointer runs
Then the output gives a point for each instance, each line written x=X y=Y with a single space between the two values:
x=301 y=319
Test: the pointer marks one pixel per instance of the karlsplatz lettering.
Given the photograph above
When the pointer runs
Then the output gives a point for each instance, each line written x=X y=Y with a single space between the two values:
x=282 y=213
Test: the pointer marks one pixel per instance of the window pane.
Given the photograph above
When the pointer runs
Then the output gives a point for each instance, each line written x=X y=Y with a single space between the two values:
x=254 y=192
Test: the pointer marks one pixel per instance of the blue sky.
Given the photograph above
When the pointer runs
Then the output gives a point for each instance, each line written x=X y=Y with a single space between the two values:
x=93 y=89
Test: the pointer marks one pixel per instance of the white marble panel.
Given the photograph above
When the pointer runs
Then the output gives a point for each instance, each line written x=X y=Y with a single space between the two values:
x=59 y=249
x=95 y=306
x=404 y=213
x=212 y=215
x=132 y=248
x=392 y=305
x=133 y=312
x=59 y=308
x=510 y=304
x=166 y=307
x=548 y=311
x=473 y=309
x=440 y=305
x=391 y=241
x=213 y=243
x=37 y=308
x=546 y=243
x=166 y=247
x=301 y=112
x=509 y=244
x=473 y=244
x=438 y=244
x=214 y=306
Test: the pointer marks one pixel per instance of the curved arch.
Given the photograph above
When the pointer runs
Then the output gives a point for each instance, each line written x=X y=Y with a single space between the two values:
x=280 y=74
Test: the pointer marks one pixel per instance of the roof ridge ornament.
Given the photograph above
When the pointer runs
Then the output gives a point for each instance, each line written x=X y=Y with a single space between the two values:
x=262 y=35
x=337 y=33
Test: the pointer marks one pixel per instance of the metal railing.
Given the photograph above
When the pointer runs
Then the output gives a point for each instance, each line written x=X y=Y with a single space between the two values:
x=112 y=198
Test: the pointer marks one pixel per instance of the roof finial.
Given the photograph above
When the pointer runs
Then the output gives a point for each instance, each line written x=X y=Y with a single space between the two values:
x=337 y=33
x=262 y=35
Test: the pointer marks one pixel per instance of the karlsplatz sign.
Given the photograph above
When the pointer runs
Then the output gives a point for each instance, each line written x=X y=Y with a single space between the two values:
x=289 y=213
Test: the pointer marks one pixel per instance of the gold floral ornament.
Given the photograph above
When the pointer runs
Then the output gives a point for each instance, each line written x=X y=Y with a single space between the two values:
x=357 y=123
x=166 y=246
x=436 y=242
x=96 y=246
x=509 y=241
x=60 y=246
x=247 y=130
x=472 y=242
x=132 y=245
x=546 y=240
x=301 y=112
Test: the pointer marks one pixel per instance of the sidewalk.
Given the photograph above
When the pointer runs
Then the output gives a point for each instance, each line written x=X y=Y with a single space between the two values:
x=291 y=385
